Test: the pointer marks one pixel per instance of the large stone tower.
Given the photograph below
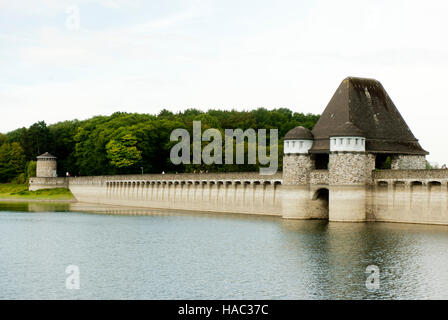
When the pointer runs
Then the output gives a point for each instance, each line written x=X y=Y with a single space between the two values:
x=46 y=166
x=359 y=130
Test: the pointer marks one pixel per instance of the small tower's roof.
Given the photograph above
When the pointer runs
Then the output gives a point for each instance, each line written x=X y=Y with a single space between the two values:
x=347 y=129
x=366 y=104
x=299 y=133
x=46 y=155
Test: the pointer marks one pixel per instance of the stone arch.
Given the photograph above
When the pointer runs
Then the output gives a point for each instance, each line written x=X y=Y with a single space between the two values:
x=416 y=185
x=382 y=195
x=435 y=196
x=417 y=197
x=320 y=204
x=382 y=184
x=399 y=186
x=435 y=185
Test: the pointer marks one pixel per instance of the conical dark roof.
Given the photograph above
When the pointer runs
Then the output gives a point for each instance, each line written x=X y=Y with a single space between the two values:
x=366 y=104
x=299 y=133
x=347 y=129
x=46 y=155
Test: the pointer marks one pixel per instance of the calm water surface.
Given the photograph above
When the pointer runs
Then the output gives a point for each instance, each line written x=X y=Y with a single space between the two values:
x=212 y=256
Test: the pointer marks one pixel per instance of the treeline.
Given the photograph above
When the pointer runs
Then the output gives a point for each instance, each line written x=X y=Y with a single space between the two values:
x=124 y=143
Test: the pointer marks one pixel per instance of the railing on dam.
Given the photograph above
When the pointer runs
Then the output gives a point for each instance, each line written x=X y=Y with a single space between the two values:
x=217 y=192
x=183 y=178
x=425 y=174
x=411 y=180
x=411 y=196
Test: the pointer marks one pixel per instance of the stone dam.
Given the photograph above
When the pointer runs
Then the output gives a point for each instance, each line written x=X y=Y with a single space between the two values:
x=414 y=196
x=360 y=162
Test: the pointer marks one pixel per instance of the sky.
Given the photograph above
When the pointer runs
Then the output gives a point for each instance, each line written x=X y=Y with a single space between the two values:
x=61 y=60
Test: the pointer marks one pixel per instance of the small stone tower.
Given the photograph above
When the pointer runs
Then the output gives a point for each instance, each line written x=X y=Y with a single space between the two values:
x=46 y=166
x=297 y=165
x=297 y=161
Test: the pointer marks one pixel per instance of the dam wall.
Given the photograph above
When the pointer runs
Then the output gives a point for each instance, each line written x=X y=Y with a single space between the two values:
x=48 y=183
x=248 y=193
x=411 y=196
x=414 y=196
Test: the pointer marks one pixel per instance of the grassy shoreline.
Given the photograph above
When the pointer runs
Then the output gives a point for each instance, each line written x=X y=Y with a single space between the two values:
x=19 y=192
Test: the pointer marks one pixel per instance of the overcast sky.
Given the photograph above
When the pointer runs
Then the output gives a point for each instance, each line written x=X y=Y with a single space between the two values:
x=143 y=56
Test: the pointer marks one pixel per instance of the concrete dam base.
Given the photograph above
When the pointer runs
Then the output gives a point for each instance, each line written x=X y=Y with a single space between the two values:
x=408 y=196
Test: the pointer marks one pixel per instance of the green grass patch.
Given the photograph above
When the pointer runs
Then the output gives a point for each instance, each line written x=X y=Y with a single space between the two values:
x=20 y=191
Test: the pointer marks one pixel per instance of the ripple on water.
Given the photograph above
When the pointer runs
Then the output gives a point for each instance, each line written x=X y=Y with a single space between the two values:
x=210 y=256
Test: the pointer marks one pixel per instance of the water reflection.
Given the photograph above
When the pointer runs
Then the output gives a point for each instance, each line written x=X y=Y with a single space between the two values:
x=410 y=258
x=24 y=206
x=153 y=254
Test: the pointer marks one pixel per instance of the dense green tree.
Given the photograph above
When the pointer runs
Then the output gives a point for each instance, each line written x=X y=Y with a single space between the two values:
x=30 y=170
x=126 y=142
x=3 y=139
x=123 y=153
x=35 y=140
x=63 y=145
x=12 y=161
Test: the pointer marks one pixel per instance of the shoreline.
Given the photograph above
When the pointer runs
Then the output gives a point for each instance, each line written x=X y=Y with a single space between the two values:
x=37 y=200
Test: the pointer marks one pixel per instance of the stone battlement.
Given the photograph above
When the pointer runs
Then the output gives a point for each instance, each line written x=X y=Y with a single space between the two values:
x=416 y=174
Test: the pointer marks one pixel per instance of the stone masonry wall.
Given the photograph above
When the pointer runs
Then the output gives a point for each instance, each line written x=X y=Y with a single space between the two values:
x=45 y=168
x=408 y=162
x=347 y=168
x=296 y=169
x=319 y=177
x=38 y=183
x=418 y=175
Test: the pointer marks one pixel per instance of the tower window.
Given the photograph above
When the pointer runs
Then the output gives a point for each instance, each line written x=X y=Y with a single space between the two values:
x=383 y=161
x=321 y=161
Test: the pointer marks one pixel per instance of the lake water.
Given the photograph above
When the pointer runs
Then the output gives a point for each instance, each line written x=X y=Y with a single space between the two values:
x=169 y=255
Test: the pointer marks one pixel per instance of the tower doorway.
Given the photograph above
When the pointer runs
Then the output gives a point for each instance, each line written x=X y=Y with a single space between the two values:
x=320 y=202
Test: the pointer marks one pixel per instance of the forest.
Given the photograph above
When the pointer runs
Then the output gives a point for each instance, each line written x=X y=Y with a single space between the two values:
x=129 y=143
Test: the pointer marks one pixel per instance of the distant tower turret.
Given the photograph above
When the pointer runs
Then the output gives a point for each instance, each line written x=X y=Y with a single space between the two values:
x=297 y=161
x=46 y=166
x=298 y=140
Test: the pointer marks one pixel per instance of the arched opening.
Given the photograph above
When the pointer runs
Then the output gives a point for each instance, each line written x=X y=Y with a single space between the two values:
x=319 y=204
x=417 y=197
x=400 y=195
x=416 y=186
x=382 y=195
x=435 y=196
